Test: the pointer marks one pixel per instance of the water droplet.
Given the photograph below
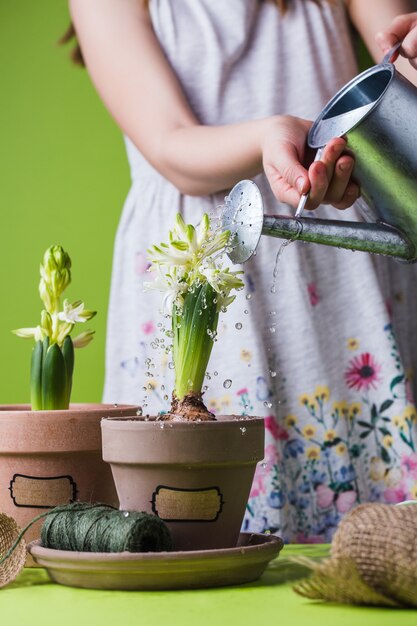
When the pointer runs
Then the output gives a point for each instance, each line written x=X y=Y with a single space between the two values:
x=243 y=430
x=115 y=405
x=272 y=373
x=166 y=397
x=246 y=311
x=238 y=325
x=171 y=365
x=272 y=329
x=139 y=412
x=268 y=404
x=249 y=296
x=215 y=373
x=125 y=513
x=162 y=425
x=227 y=383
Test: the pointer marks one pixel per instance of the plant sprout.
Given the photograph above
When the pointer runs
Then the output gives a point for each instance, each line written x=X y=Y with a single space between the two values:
x=52 y=362
x=196 y=289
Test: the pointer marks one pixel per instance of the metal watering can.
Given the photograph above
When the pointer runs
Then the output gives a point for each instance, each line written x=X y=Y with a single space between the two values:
x=376 y=112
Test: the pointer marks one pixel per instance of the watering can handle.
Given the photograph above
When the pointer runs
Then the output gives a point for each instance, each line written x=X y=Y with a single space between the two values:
x=304 y=197
x=392 y=55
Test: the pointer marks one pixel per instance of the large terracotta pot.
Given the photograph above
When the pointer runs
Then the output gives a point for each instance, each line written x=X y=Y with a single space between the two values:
x=49 y=458
x=196 y=476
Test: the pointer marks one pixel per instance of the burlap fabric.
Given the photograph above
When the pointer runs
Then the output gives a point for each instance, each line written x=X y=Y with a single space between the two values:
x=14 y=563
x=373 y=559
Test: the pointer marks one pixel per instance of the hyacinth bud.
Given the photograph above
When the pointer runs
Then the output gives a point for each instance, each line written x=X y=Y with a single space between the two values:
x=46 y=323
x=55 y=258
x=55 y=273
x=45 y=294
x=83 y=339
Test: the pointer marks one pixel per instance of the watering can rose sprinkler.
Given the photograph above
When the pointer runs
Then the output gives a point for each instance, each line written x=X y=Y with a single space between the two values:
x=376 y=112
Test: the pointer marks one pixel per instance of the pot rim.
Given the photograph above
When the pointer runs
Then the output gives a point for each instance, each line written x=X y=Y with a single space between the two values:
x=77 y=408
x=155 y=421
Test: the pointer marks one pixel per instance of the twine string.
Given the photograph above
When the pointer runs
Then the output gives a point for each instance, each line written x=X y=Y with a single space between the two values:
x=85 y=527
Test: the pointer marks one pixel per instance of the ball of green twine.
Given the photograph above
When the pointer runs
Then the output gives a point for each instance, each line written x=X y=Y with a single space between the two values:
x=84 y=527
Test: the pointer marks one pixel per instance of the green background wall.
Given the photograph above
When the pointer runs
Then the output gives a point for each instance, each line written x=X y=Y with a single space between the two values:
x=63 y=179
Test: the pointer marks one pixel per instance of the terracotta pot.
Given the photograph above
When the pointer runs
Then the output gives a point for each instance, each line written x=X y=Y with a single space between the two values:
x=53 y=457
x=196 y=476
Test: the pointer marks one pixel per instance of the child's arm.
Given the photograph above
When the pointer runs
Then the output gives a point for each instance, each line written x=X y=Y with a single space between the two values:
x=140 y=89
x=382 y=23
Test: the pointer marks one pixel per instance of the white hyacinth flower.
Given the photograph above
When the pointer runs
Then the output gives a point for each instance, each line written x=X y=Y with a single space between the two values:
x=171 y=284
x=30 y=333
x=76 y=312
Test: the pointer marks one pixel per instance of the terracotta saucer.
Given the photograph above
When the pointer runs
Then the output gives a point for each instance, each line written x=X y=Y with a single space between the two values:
x=160 y=570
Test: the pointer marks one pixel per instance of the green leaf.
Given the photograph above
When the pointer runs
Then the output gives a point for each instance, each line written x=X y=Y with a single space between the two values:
x=330 y=444
x=407 y=441
x=385 y=456
x=54 y=379
x=36 y=377
x=374 y=413
x=365 y=424
x=396 y=381
x=355 y=451
x=192 y=343
x=68 y=354
x=365 y=434
x=385 y=405
x=384 y=431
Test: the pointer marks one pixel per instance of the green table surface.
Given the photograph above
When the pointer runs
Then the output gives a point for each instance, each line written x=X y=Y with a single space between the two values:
x=33 y=600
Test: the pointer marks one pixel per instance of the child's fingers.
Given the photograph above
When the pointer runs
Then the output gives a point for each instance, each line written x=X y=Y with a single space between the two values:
x=340 y=180
x=325 y=186
x=386 y=41
x=319 y=184
x=350 y=196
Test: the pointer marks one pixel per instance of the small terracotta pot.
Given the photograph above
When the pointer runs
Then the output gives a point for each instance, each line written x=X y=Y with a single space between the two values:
x=196 y=476
x=49 y=458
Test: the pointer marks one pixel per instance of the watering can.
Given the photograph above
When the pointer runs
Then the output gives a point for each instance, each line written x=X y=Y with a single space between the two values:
x=376 y=113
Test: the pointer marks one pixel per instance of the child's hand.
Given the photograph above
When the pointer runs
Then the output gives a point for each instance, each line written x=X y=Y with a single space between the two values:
x=403 y=28
x=328 y=180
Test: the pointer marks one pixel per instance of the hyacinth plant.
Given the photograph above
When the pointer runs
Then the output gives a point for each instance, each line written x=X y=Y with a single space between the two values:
x=52 y=361
x=189 y=270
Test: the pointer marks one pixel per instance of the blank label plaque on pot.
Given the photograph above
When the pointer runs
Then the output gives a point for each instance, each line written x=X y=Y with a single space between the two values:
x=187 y=505
x=42 y=492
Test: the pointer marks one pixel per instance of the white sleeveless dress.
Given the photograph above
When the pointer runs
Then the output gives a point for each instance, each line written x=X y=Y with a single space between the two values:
x=328 y=358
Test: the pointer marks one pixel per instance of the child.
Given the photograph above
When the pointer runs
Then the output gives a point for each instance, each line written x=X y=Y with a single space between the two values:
x=208 y=93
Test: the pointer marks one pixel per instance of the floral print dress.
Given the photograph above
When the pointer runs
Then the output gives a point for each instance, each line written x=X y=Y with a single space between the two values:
x=327 y=356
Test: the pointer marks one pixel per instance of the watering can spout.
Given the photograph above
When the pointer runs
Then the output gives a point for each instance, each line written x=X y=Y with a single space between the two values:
x=243 y=216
